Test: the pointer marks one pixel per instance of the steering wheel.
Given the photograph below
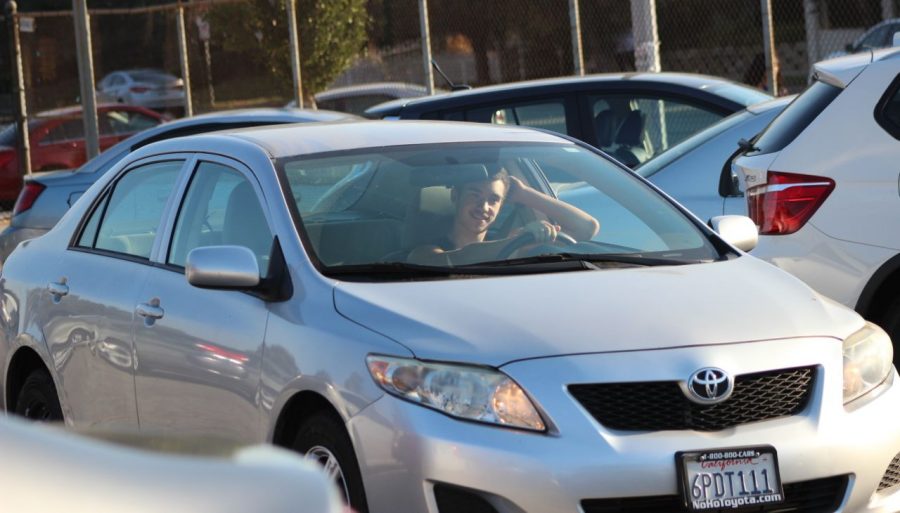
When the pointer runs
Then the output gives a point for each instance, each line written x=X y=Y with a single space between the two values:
x=562 y=239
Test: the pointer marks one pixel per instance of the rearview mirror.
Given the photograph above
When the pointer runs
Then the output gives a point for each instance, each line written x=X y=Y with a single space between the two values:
x=222 y=267
x=739 y=231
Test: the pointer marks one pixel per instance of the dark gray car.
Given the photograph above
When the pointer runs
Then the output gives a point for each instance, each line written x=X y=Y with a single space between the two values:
x=46 y=197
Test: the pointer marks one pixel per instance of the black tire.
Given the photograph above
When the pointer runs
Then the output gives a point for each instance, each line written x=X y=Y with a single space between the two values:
x=37 y=399
x=890 y=322
x=324 y=432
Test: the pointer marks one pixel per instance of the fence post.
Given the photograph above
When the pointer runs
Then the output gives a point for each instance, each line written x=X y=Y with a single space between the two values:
x=86 y=76
x=769 y=46
x=183 y=59
x=18 y=89
x=811 y=18
x=295 y=51
x=887 y=9
x=577 y=49
x=425 y=32
x=646 y=35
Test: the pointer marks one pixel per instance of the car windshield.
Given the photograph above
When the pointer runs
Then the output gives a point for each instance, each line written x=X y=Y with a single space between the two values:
x=411 y=208
x=665 y=158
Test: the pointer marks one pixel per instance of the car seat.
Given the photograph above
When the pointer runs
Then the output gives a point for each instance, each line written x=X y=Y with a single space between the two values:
x=629 y=141
x=245 y=224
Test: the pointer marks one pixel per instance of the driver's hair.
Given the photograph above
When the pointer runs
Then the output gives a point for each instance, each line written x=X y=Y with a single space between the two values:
x=498 y=173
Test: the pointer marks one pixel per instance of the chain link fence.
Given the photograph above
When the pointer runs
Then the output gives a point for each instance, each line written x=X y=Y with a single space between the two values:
x=231 y=63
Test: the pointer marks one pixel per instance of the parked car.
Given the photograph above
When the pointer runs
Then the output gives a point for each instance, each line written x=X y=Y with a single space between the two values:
x=46 y=197
x=880 y=35
x=261 y=281
x=355 y=99
x=56 y=140
x=147 y=87
x=631 y=116
x=697 y=171
x=822 y=185
x=45 y=469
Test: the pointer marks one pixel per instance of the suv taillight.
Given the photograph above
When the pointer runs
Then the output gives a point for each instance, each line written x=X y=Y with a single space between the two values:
x=787 y=201
x=27 y=195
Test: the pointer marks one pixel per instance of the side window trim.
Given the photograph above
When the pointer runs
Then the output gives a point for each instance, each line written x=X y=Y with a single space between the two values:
x=160 y=254
x=170 y=213
x=891 y=127
x=101 y=202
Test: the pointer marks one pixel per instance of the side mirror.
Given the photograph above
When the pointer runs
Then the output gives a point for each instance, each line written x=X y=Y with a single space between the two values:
x=739 y=231
x=222 y=267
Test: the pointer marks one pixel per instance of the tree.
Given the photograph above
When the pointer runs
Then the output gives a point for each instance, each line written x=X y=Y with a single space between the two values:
x=332 y=34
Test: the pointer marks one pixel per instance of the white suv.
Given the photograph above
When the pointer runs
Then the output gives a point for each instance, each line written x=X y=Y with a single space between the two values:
x=822 y=185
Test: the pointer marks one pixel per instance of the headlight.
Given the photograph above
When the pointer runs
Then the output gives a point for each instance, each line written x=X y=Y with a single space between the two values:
x=472 y=393
x=867 y=361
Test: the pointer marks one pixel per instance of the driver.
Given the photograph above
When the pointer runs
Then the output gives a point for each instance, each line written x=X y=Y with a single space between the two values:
x=477 y=204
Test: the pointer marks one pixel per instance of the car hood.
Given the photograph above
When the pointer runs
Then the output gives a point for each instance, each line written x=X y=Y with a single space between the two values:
x=497 y=320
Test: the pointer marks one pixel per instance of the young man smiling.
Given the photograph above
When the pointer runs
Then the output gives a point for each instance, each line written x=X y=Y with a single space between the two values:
x=477 y=204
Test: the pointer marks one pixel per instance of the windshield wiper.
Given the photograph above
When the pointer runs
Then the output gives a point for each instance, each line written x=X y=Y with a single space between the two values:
x=585 y=261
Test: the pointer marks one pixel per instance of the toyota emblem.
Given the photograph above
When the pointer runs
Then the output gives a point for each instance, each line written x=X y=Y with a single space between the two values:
x=709 y=385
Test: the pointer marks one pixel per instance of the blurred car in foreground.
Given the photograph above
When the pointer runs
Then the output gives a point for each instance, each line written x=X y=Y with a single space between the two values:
x=697 y=171
x=151 y=88
x=56 y=140
x=268 y=284
x=46 y=469
x=45 y=198
x=631 y=116
x=822 y=185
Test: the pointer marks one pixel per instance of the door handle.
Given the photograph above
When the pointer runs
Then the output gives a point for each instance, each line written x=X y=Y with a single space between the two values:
x=151 y=310
x=58 y=289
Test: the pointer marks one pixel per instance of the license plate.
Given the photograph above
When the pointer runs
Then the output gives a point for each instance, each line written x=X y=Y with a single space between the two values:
x=730 y=478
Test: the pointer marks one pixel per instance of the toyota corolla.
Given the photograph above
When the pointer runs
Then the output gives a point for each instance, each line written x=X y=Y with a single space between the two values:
x=450 y=317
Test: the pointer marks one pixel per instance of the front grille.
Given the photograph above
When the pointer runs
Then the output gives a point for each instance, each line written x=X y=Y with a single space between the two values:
x=816 y=496
x=661 y=405
x=891 y=476
x=451 y=499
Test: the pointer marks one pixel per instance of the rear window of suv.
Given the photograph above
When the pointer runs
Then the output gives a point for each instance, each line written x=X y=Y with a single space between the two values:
x=888 y=111
x=796 y=117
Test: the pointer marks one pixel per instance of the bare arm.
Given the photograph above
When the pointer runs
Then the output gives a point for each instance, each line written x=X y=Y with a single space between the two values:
x=572 y=220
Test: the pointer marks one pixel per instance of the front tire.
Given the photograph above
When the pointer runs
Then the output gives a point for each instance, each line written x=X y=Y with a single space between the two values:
x=322 y=438
x=37 y=399
x=890 y=322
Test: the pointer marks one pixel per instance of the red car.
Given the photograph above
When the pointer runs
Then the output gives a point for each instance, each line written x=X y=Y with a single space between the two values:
x=57 y=140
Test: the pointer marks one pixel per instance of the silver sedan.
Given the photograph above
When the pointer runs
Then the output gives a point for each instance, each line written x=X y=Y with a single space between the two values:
x=450 y=317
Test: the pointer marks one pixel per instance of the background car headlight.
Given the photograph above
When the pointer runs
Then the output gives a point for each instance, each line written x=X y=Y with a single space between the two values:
x=868 y=354
x=472 y=393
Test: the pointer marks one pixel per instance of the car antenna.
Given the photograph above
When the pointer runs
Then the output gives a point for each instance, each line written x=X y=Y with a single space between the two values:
x=453 y=87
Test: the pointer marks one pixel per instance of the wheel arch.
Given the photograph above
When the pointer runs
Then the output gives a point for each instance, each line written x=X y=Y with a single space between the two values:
x=300 y=406
x=882 y=286
x=23 y=362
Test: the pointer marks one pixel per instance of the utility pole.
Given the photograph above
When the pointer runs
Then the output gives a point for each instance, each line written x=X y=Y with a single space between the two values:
x=183 y=60
x=86 y=76
x=18 y=90
x=295 y=51
x=646 y=35
x=426 y=46
x=769 y=47
x=575 y=28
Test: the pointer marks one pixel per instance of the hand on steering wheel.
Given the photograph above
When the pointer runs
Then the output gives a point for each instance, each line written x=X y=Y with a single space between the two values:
x=537 y=232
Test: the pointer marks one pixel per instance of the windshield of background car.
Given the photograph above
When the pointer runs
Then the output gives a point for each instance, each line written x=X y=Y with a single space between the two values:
x=795 y=118
x=379 y=206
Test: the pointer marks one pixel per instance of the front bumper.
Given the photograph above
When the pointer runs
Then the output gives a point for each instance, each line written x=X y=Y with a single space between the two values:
x=404 y=449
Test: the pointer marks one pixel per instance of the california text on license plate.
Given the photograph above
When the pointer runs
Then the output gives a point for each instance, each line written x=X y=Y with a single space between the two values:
x=730 y=478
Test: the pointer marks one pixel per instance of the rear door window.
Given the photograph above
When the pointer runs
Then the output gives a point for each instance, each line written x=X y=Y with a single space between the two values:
x=888 y=112
x=795 y=118
x=549 y=114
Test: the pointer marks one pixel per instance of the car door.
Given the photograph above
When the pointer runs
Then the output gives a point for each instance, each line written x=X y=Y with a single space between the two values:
x=199 y=350
x=89 y=328
x=636 y=125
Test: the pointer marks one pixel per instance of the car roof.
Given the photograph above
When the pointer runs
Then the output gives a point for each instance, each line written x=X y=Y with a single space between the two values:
x=396 y=89
x=280 y=141
x=203 y=123
x=689 y=80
